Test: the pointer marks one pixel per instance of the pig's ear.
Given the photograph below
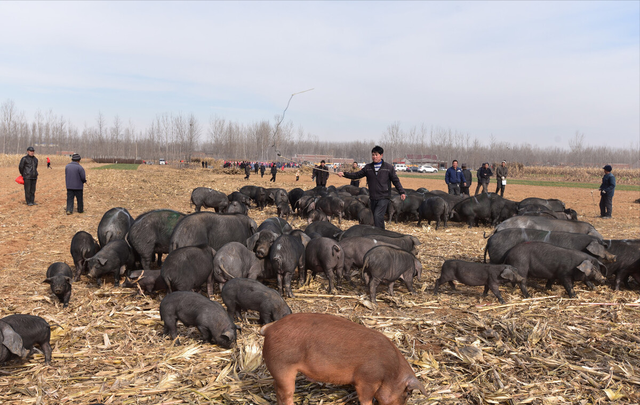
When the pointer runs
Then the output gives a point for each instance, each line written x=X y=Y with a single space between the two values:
x=12 y=340
x=415 y=240
x=67 y=279
x=251 y=242
x=595 y=249
x=228 y=335
x=102 y=261
x=48 y=281
x=507 y=274
x=585 y=267
x=305 y=239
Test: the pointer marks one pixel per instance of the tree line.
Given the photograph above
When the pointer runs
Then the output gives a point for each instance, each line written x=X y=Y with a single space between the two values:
x=179 y=136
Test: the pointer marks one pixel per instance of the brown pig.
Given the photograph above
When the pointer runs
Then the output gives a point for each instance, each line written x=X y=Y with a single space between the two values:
x=331 y=349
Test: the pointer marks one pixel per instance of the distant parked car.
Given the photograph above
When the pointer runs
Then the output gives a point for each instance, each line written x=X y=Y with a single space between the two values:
x=401 y=167
x=427 y=169
x=162 y=162
x=412 y=169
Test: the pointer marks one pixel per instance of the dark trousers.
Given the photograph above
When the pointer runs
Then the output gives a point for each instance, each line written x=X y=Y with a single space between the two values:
x=79 y=198
x=500 y=188
x=379 y=208
x=454 y=188
x=355 y=183
x=30 y=190
x=273 y=177
x=464 y=190
x=246 y=176
x=606 y=205
x=485 y=186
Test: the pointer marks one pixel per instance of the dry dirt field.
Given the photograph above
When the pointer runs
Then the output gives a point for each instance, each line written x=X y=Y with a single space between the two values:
x=108 y=347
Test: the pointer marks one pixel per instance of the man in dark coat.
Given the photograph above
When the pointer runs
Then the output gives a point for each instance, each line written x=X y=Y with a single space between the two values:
x=355 y=168
x=468 y=179
x=484 y=176
x=502 y=172
x=321 y=174
x=29 y=171
x=607 y=189
x=274 y=171
x=380 y=175
x=262 y=169
x=454 y=178
x=75 y=178
x=247 y=170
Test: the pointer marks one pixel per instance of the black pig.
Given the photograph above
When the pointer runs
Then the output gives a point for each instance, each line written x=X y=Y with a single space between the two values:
x=434 y=209
x=114 y=259
x=388 y=264
x=59 y=275
x=114 y=225
x=150 y=235
x=193 y=309
x=209 y=198
x=475 y=274
x=148 y=280
x=31 y=329
x=324 y=255
x=187 y=268
x=245 y=294
x=234 y=260
x=286 y=254
x=83 y=246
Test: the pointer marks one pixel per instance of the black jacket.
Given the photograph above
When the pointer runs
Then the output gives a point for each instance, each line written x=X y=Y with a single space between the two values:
x=28 y=167
x=484 y=174
x=321 y=175
x=379 y=184
x=467 y=176
x=274 y=169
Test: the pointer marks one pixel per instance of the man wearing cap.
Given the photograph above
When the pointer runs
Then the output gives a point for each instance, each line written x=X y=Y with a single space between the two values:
x=75 y=179
x=607 y=189
x=484 y=177
x=29 y=171
x=321 y=174
x=501 y=177
x=468 y=179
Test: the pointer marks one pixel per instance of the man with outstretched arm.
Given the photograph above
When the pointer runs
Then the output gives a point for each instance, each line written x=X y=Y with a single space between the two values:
x=380 y=175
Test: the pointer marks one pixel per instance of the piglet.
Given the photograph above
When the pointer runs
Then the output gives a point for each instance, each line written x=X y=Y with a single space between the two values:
x=388 y=264
x=242 y=294
x=25 y=330
x=187 y=268
x=284 y=210
x=475 y=274
x=83 y=246
x=59 y=275
x=330 y=349
x=193 y=309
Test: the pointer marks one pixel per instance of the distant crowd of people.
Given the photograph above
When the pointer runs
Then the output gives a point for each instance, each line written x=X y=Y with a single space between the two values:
x=459 y=179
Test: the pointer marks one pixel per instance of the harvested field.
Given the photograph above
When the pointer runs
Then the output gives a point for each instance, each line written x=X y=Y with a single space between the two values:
x=108 y=347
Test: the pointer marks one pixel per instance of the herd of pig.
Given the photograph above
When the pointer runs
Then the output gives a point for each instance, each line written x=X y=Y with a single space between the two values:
x=533 y=238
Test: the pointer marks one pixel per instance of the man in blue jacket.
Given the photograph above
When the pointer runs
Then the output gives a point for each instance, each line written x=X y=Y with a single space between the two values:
x=454 y=178
x=607 y=189
x=380 y=175
x=75 y=179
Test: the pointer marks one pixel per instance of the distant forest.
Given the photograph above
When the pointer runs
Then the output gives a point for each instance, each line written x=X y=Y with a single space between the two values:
x=180 y=136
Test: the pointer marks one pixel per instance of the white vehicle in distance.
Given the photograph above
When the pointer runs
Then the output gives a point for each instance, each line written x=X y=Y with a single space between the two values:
x=400 y=167
x=162 y=162
x=427 y=169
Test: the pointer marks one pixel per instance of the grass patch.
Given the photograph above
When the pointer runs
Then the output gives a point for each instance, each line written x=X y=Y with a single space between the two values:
x=118 y=166
x=541 y=183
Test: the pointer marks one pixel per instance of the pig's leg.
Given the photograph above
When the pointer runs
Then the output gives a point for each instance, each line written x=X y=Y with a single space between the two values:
x=523 y=288
x=206 y=335
x=373 y=286
x=549 y=284
x=452 y=285
x=495 y=290
x=279 y=276
x=365 y=392
x=568 y=285
x=145 y=262
x=159 y=259
x=210 y=285
x=46 y=349
x=486 y=290
x=285 y=382
x=329 y=275
x=287 y=284
x=390 y=288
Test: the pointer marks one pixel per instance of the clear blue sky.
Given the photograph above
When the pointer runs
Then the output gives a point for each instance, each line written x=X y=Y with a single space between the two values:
x=521 y=71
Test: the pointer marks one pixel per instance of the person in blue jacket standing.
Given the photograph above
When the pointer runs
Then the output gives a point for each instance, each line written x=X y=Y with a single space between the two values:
x=75 y=179
x=607 y=189
x=454 y=178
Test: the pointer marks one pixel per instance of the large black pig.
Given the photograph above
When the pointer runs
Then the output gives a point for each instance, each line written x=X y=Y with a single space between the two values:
x=241 y=294
x=193 y=309
x=548 y=224
x=331 y=206
x=275 y=224
x=150 y=235
x=551 y=203
x=114 y=258
x=434 y=209
x=83 y=246
x=215 y=230
x=408 y=208
x=114 y=225
x=239 y=197
x=236 y=207
x=324 y=255
x=286 y=254
x=627 y=253
x=257 y=194
x=323 y=228
x=261 y=242
x=187 y=268
x=499 y=243
x=546 y=261
x=384 y=264
x=475 y=274
x=209 y=198
x=59 y=276
x=31 y=330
